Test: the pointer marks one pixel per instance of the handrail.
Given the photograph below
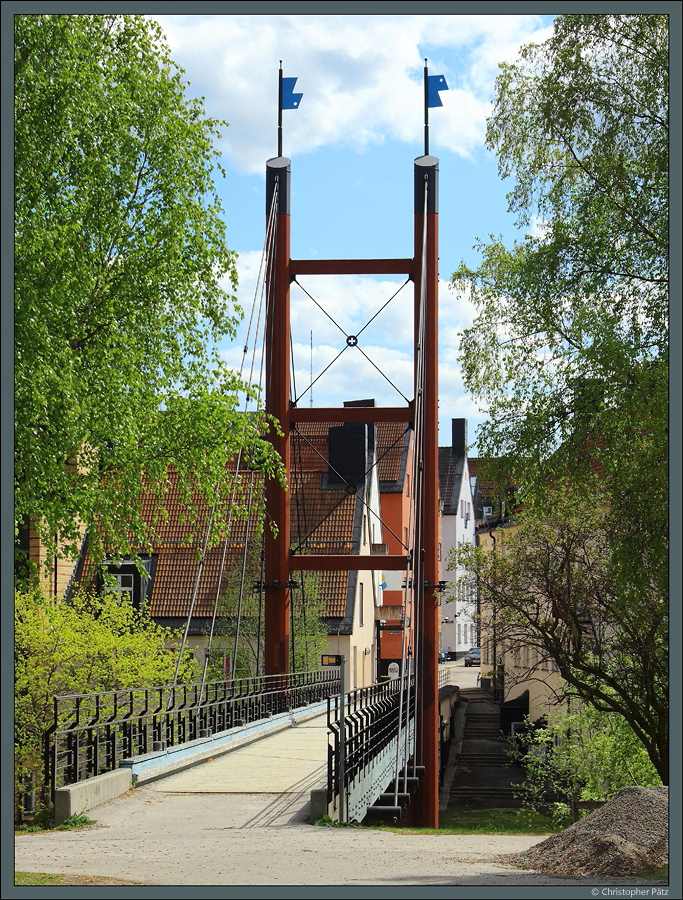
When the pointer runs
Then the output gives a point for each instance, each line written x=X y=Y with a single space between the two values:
x=91 y=733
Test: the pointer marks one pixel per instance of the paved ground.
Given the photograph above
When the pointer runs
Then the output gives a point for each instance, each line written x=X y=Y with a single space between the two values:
x=242 y=819
x=163 y=838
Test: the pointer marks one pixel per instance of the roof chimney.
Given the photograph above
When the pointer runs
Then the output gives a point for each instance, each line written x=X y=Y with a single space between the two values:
x=459 y=437
x=346 y=451
x=371 y=426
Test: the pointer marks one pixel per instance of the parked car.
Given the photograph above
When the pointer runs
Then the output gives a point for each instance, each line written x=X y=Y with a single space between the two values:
x=473 y=657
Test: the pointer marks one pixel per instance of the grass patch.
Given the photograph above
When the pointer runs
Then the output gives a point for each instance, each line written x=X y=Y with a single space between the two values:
x=470 y=821
x=27 y=878
x=70 y=824
x=495 y=821
x=656 y=873
x=76 y=821
x=328 y=822
x=487 y=821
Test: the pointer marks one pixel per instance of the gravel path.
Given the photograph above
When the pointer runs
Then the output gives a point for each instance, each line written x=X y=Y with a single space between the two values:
x=263 y=839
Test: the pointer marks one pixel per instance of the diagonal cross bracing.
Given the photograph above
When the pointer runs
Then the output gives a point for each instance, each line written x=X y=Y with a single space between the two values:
x=351 y=339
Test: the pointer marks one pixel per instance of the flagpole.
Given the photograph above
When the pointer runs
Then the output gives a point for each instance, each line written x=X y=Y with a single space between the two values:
x=426 y=93
x=279 y=112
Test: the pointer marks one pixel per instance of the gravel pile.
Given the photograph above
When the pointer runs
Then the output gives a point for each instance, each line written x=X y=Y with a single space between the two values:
x=623 y=837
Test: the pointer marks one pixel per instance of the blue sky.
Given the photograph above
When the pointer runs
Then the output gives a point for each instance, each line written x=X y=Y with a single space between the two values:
x=352 y=143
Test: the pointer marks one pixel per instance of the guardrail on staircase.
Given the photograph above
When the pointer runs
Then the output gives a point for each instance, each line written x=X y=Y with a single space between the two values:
x=91 y=733
x=372 y=740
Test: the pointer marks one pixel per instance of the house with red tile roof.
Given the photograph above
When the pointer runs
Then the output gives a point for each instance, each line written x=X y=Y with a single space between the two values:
x=349 y=488
x=350 y=494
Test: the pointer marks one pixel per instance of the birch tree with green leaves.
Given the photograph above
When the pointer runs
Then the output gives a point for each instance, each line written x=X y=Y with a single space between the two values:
x=568 y=352
x=123 y=284
x=90 y=645
x=569 y=348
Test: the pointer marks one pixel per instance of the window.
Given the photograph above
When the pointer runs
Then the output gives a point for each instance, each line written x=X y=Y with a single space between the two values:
x=361 y=611
x=126 y=581
x=124 y=587
x=488 y=512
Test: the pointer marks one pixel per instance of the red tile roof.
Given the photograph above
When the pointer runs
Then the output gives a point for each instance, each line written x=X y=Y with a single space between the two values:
x=322 y=521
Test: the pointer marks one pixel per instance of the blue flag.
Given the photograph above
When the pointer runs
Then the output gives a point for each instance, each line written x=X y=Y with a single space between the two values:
x=290 y=100
x=435 y=83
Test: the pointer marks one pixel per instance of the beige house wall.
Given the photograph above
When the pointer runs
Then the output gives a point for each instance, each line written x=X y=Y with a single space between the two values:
x=524 y=670
x=53 y=571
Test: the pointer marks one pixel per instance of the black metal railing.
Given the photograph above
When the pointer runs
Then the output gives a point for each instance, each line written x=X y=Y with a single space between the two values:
x=371 y=719
x=92 y=733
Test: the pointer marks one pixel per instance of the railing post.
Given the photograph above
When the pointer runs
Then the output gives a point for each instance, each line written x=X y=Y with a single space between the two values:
x=342 y=744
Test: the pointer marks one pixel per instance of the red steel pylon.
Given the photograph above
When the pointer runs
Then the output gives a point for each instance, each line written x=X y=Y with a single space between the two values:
x=279 y=560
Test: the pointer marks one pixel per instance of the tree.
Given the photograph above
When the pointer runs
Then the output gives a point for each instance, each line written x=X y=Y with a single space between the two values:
x=581 y=755
x=91 y=645
x=569 y=349
x=123 y=282
x=555 y=589
x=239 y=631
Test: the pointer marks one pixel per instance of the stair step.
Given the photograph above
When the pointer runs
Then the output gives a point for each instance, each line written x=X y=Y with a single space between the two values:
x=484 y=792
x=493 y=761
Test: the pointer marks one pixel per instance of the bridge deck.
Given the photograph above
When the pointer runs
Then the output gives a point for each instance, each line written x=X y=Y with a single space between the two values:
x=293 y=761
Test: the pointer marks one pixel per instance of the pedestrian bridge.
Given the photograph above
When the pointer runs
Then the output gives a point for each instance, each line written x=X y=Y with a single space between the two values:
x=294 y=752
x=289 y=765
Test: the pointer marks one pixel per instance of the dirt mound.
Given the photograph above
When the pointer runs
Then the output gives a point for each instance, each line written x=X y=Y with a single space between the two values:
x=623 y=837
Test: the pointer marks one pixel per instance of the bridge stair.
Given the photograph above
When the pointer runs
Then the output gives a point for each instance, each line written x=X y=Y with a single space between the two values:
x=483 y=778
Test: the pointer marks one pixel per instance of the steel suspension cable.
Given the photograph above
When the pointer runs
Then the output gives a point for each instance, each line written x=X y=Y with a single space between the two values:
x=414 y=569
x=265 y=256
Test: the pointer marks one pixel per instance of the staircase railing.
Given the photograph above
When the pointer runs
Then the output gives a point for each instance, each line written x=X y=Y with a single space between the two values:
x=372 y=741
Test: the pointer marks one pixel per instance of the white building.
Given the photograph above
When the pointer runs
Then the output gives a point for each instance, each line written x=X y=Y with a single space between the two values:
x=459 y=629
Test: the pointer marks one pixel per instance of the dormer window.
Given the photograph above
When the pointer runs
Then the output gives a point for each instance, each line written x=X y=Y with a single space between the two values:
x=123 y=586
x=126 y=581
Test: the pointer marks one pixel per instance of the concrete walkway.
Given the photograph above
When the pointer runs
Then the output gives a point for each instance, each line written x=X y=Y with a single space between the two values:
x=288 y=765
x=159 y=838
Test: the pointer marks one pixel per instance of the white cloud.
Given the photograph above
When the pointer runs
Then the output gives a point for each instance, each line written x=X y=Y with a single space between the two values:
x=387 y=341
x=539 y=228
x=361 y=76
